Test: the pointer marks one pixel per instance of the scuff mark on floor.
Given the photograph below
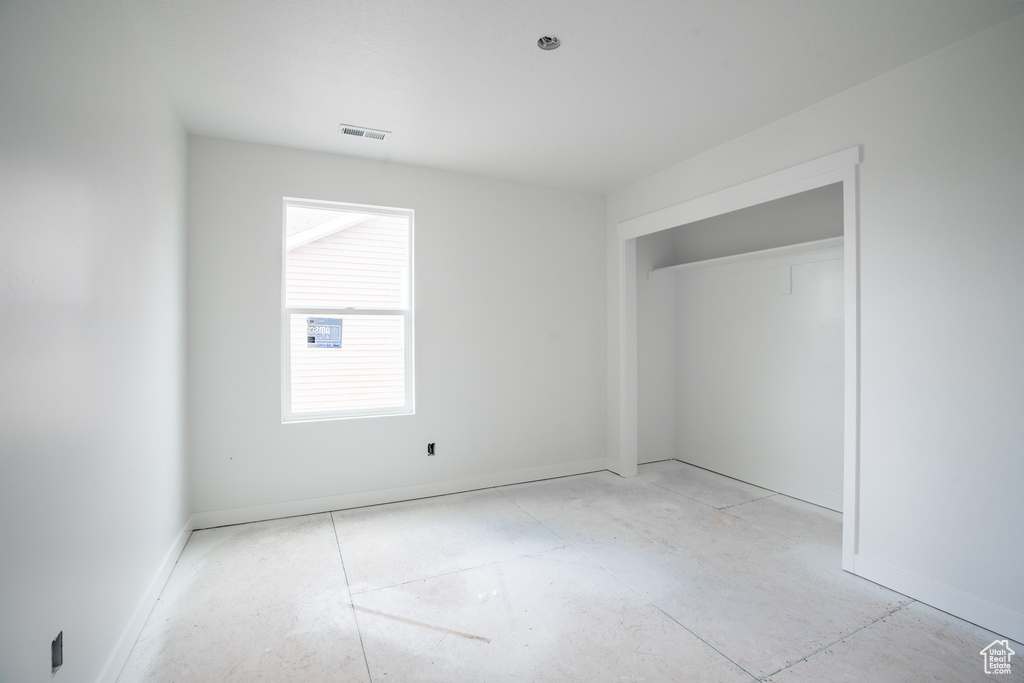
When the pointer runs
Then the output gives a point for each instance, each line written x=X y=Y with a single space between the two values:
x=413 y=622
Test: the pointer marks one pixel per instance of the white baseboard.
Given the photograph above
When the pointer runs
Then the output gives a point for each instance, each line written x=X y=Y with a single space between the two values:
x=832 y=501
x=994 y=618
x=257 y=513
x=116 y=661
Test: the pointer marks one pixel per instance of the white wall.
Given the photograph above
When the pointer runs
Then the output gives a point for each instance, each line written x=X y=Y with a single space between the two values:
x=93 y=491
x=803 y=217
x=941 y=293
x=807 y=216
x=510 y=346
x=759 y=372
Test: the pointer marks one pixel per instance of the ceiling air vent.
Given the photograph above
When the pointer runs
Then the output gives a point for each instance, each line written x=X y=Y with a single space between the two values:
x=361 y=132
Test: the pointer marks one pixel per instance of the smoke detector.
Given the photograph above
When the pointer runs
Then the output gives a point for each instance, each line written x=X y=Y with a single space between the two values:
x=548 y=42
x=363 y=132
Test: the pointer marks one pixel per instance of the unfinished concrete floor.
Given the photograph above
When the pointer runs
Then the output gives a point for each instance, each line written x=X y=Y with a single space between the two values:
x=676 y=575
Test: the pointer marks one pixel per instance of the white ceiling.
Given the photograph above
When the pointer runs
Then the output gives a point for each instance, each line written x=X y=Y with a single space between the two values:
x=636 y=86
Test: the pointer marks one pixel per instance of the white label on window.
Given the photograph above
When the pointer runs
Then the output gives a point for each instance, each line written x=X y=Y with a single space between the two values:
x=323 y=333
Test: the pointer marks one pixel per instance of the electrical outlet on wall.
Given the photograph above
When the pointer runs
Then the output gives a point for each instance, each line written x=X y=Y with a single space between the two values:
x=56 y=653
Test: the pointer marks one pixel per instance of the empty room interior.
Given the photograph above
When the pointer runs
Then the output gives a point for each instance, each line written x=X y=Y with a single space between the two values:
x=489 y=341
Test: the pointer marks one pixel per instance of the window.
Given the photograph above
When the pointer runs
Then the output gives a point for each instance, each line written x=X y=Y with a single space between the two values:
x=347 y=311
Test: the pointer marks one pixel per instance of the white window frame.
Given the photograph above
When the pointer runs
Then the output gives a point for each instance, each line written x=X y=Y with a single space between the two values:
x=287 y=416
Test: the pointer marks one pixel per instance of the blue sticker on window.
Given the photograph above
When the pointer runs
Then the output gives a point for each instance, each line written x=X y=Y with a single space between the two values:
x=323 y=333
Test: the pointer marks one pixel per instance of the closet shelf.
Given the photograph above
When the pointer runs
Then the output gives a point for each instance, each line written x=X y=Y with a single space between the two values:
x=788 y=250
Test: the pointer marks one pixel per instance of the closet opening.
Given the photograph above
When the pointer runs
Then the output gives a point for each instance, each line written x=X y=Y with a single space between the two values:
x=739 y=338
x=740 y=345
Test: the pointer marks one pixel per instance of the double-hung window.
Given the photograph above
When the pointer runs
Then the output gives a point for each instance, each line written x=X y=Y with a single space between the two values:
x=347 y=311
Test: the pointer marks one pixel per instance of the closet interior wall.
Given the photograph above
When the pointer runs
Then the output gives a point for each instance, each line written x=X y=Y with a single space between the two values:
x=735 y=375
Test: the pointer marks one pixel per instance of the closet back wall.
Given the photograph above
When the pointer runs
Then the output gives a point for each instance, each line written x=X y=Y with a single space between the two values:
x=738 y=374
x=509 y=334
x=663 y=431
x=759 y=374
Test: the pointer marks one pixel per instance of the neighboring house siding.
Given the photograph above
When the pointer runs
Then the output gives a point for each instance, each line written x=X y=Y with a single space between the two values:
x=362 y=266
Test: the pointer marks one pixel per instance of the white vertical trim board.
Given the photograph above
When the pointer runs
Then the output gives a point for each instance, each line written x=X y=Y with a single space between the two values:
x=119 y=657
x=626 y=463
x=851 y=369
x=839 y=167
